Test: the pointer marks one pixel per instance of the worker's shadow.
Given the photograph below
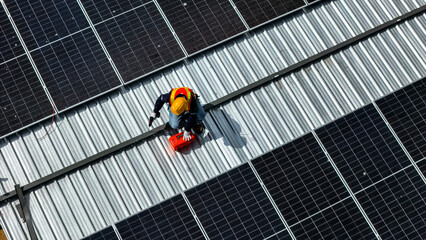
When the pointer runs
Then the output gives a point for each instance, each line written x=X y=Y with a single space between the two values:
x=220 y=125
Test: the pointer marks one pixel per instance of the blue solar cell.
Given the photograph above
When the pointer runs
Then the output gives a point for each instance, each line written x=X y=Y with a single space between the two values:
x=22 y=98
x=363 y=148
x=75 y=69
x=300 y=179
x=397 y=206
x=169 y=220
x=200 y=24
x=234 y=206
x=341 y=221
x=41 y=21
x=10 y=47
x=405 y=110
x=147 y=45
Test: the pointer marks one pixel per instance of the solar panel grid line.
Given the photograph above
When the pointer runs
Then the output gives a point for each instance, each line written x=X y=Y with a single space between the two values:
x=195 y=215
x=21 y=40
x=100 y=42
x=287 y=227
x=413 y=163
x=346 y=185
x=170 y=27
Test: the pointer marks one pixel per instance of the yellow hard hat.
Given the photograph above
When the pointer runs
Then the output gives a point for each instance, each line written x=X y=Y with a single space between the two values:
x=179 y=105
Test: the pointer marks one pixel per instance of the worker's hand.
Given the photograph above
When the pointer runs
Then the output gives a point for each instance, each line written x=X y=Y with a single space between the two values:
x=154 y=115
x=186 y=135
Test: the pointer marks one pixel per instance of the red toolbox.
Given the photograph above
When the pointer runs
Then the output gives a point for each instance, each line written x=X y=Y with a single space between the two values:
x=178 y=143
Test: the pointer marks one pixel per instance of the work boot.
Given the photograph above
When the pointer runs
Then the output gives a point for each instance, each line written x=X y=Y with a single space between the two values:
x=199 y=128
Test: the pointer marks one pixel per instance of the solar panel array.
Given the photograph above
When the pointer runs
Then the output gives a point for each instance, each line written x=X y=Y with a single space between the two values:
x=350 y=179
x=81 y=49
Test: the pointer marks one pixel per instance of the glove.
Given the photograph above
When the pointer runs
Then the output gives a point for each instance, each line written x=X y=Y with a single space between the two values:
x=186 y=135
x=154 y=115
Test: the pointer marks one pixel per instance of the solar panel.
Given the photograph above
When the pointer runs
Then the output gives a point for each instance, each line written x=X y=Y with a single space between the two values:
x=256 y=12
x=22 y=98
x=106 y=234
x=145 y=46
x=405 y=110
x=234 y=206
x=363 y=148
x=300 y=179
x=10 y=46
x=202 y=23
x=101 y=10
x=75 y=69
x=397 y=206
x=169 y=220
x=341 y=221
x=41 y=22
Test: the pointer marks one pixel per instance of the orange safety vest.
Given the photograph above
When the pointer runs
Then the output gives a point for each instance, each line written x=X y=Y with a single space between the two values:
x=182 y=90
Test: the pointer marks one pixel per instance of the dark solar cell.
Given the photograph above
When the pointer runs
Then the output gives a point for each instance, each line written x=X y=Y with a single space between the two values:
x=202 y=23
x=363 y=148
x=10 y=46
x=105 y=234
x=342 y=221
x=256 y=12
x=75 y=69
x=300 y=179
x=311 y=1
x=41 y=21
x=145 y=46
x=405 y=110
x=22 y=98
x=169 y=220
x=397 y=206
x=101 y=10
x=234 y=206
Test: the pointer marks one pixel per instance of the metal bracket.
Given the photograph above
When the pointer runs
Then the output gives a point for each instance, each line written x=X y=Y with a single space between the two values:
x=24 y=209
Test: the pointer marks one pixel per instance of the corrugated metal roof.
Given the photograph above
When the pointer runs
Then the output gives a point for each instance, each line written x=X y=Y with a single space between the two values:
x=148 y=172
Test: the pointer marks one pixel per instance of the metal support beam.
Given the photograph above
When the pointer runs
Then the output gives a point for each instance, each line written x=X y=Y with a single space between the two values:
x=24 y=209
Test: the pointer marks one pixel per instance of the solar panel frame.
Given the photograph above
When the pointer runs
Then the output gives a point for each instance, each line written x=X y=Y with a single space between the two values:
x=41 y=22
x=234 y=205
x=200 y=24
x=353 y=144
x=257 y=12
x=397 y=205
x=75 y=69
x=105 y=234
x=300 y=178
x=405 y=110
x=147 y=46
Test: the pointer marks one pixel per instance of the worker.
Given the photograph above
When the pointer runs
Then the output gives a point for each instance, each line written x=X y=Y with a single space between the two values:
x=185 y=111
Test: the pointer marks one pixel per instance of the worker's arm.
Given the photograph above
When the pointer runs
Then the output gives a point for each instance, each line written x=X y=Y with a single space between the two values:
x=163 y=98
x=192 y=119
